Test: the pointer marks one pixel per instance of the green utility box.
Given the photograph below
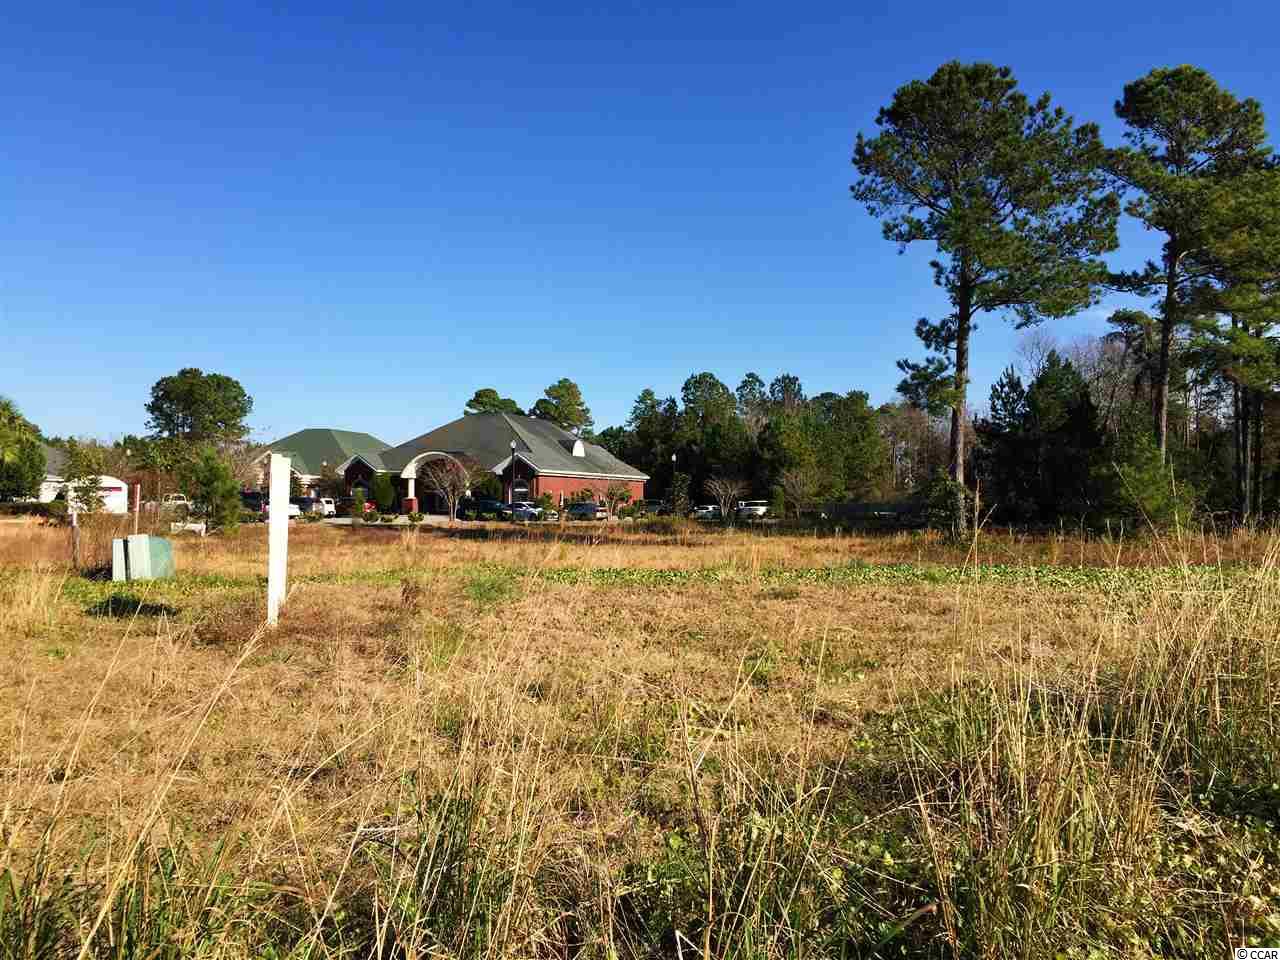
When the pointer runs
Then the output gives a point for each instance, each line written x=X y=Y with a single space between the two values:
x=141 y=557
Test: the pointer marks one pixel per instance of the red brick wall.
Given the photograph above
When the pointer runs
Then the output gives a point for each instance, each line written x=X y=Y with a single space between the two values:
x=565 y=487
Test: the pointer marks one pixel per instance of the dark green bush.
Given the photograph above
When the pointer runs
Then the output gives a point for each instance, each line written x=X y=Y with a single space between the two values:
x=57 y=510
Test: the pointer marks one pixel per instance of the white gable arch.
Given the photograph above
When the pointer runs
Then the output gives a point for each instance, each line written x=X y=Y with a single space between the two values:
x=410 y=470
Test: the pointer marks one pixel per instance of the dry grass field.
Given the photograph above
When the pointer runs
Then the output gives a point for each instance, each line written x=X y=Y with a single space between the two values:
x=648 y=741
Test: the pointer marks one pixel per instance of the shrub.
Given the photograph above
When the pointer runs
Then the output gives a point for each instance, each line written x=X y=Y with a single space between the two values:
x=1137 y=488
x=22 y=470
x=311 y=517
x=357 y=506
x=777 y=503
x=387 y=518
x=214 y=489
x=415 y=517
x=56 y=510
x=384 y=494
x=947 y=504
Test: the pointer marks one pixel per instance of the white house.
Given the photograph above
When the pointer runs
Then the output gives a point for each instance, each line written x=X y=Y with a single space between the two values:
x=113 y=491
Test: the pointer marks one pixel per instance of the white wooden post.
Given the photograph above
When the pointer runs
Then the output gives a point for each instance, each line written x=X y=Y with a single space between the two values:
x=277 y=536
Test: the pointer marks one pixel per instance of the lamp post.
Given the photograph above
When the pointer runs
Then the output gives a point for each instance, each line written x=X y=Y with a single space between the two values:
x=511 y=490
x=671 y=494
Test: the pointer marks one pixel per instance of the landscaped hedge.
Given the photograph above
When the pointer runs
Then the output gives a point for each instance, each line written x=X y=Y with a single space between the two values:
x=56 y=510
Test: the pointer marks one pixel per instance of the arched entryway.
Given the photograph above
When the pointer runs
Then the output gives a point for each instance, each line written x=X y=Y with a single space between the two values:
x=409 y=474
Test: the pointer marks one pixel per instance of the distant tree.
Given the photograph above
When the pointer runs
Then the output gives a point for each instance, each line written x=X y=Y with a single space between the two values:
x=679 y=495
x=83 y=475
x=449 y=478
x=295 y=485
x=157 y=462
x=1136 y=488
x=215 y=494
x=22 y=470
x=652 y=430
x=1039 y=445
x=617 y=440
x=800 y=486
x=1185 y=136
x=786 y=392
x=753 y=403
x=384 y=493
x=357 y=505
x=563 y=405
x=485 y=483
x=22 y=460
x=196 y=406
x=1236 y=315
x=849 y=442
x=616 y=495
x=726 y=492
x=331 y=483
x=710 y=438
x=1009 y=191
x=487 y=400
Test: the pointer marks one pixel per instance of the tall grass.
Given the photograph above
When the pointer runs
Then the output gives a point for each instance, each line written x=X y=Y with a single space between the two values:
x=1130 y=809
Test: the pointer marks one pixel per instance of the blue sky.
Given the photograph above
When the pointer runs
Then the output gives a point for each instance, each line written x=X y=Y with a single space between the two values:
x=365 y=212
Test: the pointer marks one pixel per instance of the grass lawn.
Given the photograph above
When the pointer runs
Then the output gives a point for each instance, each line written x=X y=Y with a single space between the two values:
x=646 y=741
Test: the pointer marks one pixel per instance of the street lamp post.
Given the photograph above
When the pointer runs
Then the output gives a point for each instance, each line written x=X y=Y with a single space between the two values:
x=511 y=489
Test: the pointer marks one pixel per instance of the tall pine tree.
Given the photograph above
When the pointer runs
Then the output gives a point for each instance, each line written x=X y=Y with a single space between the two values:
x=1011 y=195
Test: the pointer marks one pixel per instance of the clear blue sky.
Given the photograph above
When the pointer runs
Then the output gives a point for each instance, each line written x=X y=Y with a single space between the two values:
x=365 y=212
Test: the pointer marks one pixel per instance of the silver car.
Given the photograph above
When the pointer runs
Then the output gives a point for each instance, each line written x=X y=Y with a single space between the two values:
x=524 y=510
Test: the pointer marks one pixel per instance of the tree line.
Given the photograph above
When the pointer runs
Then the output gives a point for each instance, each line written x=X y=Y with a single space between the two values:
x=1020 y=204
x=1172 y=411
x=198 y=442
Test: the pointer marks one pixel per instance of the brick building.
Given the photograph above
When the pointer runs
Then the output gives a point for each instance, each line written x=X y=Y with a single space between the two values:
x=529 y=457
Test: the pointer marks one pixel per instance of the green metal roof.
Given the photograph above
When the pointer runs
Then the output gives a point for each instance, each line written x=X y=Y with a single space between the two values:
x=311 y=448
x=486 y=438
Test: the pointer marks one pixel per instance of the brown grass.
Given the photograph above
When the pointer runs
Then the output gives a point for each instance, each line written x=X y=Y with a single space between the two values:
x=169 y=712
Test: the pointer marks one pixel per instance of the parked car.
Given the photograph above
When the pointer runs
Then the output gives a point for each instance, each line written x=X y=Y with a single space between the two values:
x=523 y=510
x=293 y=511
x=707 y=511
x=752 y=509
x=327 y=506
x=255 y=503
x=648 y=508
x=586 y=510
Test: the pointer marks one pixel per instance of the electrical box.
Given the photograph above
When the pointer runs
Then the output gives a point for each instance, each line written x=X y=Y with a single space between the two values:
x=141 y=557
